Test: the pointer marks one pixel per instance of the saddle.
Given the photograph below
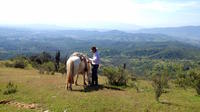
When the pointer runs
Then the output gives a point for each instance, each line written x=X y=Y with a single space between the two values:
x=82 y=58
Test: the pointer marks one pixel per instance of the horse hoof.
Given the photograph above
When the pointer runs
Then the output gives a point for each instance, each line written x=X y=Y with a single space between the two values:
x=66 y=87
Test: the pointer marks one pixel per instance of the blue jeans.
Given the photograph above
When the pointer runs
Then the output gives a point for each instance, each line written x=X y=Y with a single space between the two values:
x=94 y=74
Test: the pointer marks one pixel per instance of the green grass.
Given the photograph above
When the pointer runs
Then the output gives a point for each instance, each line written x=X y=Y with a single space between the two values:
x=48 y=91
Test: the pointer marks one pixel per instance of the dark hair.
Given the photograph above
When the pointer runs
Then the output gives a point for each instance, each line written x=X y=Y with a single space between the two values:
x=94 y=48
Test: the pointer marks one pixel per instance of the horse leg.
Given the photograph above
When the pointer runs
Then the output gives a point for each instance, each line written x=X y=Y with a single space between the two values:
x=76 y=83
x=70 y=86
x=84 y=80
x=66 y=84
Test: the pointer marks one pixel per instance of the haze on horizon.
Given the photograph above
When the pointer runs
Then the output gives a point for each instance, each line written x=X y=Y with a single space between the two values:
x=100 y=13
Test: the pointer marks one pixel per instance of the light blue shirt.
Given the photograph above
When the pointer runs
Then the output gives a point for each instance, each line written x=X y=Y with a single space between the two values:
x=95 y=59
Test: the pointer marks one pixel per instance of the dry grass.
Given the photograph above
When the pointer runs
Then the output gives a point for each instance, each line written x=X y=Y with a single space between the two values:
x=48 y=92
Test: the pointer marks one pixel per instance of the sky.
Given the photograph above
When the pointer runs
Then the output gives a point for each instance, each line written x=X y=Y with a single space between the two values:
x=96 y=13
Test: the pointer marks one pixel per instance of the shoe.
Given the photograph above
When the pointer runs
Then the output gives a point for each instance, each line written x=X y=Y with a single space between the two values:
x=92 y=85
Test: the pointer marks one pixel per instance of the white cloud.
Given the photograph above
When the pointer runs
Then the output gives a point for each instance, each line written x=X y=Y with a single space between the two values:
x=165 y=6
x=85 y=11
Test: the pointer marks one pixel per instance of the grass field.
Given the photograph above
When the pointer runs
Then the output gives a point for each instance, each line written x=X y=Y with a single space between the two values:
x=48 y=92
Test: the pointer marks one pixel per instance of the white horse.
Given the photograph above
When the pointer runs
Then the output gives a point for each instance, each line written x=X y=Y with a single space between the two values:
x=77 y=64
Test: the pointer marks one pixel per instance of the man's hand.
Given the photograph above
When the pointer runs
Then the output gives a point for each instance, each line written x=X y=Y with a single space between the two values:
x=89 y=61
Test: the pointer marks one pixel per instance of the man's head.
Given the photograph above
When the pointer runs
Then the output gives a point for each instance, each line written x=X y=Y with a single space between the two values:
x=93 y=49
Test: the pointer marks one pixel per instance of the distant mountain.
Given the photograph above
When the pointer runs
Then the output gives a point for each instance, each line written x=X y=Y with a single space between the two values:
x=114 y=35
x=112 y=26
x=15 y=41
x=189 y=32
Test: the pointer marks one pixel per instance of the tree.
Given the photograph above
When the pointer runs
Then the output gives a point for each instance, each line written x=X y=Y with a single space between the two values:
x=57 y=57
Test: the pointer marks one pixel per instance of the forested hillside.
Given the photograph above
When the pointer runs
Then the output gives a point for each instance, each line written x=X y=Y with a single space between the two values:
x=15 y=41
x=140 y=51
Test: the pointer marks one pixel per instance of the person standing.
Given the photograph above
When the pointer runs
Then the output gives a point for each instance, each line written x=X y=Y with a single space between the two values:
x=95 y=60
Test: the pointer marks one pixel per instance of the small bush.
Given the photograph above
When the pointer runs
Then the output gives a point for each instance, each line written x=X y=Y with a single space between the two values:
x=195 y=80
x=41 y=71
x=116 y=76
x=53 y=73
x=197 y=87
x=10 y=88
x=62 y=69
x=1 y=64
x=9 y=64
x=182 y=80
x=20 y=64
x=48 y=67
x=189 y=79
x=41 y=58
x=134 y=84
x=158 y=86
x=160 y=80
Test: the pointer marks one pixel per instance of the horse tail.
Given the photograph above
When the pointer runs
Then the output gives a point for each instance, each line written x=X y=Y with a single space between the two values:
x=72 y=75
x=70 y=72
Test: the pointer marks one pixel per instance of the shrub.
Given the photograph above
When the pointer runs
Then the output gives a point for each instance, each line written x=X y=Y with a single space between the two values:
x=48 y=67
x=9 y=64
x=158 y=86
x=10 y=88
x=190 y=79
x=41 y=58
x=197 y=87
x=160 y=80
x=116 y=76
x=35 y=65
x=41 y=71
x=52 y=72
x=62 y=68
x=182 y=80
x=20 y=64
x=134 y=84
x=195 y=80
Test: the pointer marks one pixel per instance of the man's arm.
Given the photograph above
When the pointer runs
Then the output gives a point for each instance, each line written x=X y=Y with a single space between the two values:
x=94 y=59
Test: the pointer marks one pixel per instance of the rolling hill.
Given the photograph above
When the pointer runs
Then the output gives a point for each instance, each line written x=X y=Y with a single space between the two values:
x=15 y=41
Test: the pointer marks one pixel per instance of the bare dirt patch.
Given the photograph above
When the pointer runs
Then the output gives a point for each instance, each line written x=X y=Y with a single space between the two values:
x=21 y=104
